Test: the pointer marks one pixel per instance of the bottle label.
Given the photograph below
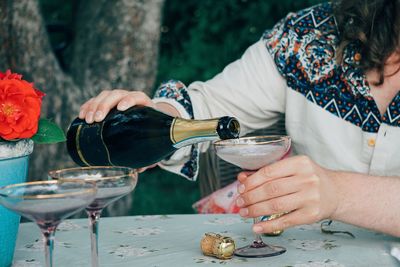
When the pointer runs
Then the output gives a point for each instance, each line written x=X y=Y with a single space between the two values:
x=89 y=142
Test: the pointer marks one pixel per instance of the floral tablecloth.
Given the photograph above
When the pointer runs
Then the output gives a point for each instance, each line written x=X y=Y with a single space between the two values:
x=174 y=240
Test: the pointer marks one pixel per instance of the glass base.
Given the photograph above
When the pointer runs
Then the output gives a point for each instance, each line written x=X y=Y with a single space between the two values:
x=259 y=250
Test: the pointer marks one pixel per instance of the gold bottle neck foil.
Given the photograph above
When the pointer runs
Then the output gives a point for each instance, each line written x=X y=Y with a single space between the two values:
x=187 y=132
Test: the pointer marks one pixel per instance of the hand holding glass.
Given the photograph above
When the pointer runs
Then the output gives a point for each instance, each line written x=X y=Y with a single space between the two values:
x=253 y=153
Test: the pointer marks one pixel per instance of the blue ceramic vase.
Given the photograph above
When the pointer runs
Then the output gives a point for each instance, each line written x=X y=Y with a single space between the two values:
x=14 y=158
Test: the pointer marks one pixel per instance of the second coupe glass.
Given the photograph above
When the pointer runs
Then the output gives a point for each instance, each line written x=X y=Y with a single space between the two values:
x=112 y=184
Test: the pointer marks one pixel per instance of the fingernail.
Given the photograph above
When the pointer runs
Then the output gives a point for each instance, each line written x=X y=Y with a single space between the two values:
x=239 y=202
x=257 y=229
x=99 y=115
x=81 y=114
x=123 y=106
x=241 y=188
x=244 y=212
x=89 y=117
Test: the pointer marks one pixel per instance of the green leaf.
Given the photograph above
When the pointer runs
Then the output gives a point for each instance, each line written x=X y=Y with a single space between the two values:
x=48 y=133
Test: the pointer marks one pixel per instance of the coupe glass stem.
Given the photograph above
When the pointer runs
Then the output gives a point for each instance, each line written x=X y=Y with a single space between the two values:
x=257 y=237
x=94 y=218
x=48 y=234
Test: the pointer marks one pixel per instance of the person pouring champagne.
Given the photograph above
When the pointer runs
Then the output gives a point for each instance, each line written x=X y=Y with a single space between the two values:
x=333 y=70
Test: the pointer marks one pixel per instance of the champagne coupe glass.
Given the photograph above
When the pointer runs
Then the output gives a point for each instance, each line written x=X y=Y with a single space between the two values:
x=252 y=153
x=48 y=203
x=112 y=184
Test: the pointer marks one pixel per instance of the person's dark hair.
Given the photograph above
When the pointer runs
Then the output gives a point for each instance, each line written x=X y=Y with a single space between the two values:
x=375 y=24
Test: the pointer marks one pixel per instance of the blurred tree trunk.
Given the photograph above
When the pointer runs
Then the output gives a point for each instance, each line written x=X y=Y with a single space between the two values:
x=115 y=46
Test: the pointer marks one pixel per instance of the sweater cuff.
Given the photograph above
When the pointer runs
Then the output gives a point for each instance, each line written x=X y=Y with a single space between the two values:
x=185 y=161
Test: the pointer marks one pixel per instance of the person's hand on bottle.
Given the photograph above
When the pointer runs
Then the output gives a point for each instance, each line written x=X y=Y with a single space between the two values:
x=296 y=186
x=96 y=108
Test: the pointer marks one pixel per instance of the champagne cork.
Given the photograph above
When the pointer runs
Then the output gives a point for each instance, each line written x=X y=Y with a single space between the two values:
x=221 y=247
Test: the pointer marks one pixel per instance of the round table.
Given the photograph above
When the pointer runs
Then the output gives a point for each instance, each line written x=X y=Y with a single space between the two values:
x=174 y=240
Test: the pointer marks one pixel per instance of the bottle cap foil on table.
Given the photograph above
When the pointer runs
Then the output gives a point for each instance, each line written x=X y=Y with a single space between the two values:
x=221 y=247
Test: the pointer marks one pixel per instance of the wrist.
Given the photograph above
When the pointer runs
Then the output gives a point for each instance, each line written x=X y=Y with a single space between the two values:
x=337 y=178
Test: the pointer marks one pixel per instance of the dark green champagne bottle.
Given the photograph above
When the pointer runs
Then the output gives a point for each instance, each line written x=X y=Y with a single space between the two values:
x=141 y=136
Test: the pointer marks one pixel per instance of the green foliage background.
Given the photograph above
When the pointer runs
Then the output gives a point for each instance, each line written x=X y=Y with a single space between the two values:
x=199 y=38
